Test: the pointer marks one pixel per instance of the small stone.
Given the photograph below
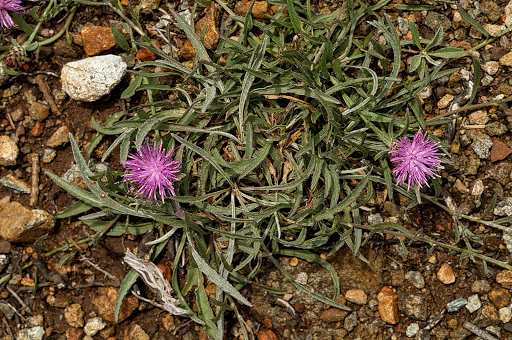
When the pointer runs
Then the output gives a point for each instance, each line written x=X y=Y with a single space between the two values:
x=455 y=305
x=503 y=208
x=39 y=111
x=260 y=9
x=266 y=334
x=145 y=55
x=375 y=219
x=37 y=130
x=445 y=274
x=504 y=277
x=135 y=332
x=505 y=314
x=388 y=305
x=11 y=182
x=350 y=322
x=6 y=310
x=333 y=315
x=496 y=128
x=434 y=20
x=59 y=137
x=445 y=101
x=91 y=78
x=499 y=151
x=460 y=186
x=508 y=15
x=187 y=51
x=481 y=145
x=480 y=117
x=486 y=80
x=19 y=224
x=500 y=172
x=487 y=315
x=149 y=5
x=34 y=333
x=8 y=151
x=208 y=22
x=491 y=67
x=94 y=325
x=74 y=315
x=412 y=330
x=357 y=296
x=474 y=303
x=97 y=39
x=494 y=30
x=48 y=155
x=414 y=306
x=493 y=329
x=480 y=286
x=506 y=60
x=416 y=279
x=104 y=301
x=491 y=9
x=302 y=278
x=73 y=333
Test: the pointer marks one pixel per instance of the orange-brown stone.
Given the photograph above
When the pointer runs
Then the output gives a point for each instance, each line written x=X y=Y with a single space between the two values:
x=145 y=55
x=499 y=150
x=97 y=39
x=388 y=305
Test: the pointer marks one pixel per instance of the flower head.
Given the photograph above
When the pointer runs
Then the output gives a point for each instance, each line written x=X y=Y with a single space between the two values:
x=7 y=6
x=152 y=172
x=417 y=161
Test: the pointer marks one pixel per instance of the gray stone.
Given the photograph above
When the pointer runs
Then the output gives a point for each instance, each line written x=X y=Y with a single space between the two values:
x=500 y=172
x=8 y=151
x=433 y=20
x=350 y=321
x=507 y=239
x=491 y=9
x=480 y=286
x=302 y=278
x=11 y=182
x=34 y=333
x=91 y=78
x=94 y=325
x=474 y=303
x=413 y=306
x=375 y=218
x=416 y=279
x=6 y=310
x=496 y=128
x=48 y=155
x=412 y=330
x=403 y=25
x=504 y=208
x=456 y=304
x=482 y=145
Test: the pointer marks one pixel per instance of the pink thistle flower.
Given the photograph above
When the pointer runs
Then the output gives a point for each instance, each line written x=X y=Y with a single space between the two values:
x=152 y=172
x=417 y=161
x=7 y=6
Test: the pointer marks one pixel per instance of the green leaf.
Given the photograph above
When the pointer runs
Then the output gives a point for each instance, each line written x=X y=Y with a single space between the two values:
x=472 y=21
x=294 y=17
x=130 y=90
x=415 y=34
x=75 y=209
x=120 y=40
x=447 y=52
x=128 y=282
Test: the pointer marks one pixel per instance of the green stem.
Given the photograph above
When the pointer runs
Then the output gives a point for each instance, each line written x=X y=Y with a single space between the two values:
x=62 y=30
x=7 y=277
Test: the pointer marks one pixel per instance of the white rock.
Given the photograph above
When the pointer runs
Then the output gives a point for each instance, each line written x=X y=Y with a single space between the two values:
x=474 y=303
x=505 y=314
x=478 y=188
x=508 y=15
x=491 y=67
x=93 y=326
x=91 y=78
x=8 y=151
x=412 y=330
x=34 y=333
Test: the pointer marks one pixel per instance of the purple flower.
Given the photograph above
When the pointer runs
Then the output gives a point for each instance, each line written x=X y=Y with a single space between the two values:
x=417 y=161
x=152 y=172
x=6 y=6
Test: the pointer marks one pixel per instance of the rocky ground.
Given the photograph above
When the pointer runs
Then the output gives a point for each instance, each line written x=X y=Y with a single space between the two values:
x=427 y=292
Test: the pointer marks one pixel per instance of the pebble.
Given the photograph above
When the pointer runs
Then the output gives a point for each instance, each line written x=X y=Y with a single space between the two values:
x=266 y=334
x=491 y=67
x=6 y=310
x=34 y=333
x=259 y=9
x=91 y=78
x=73 y=333
x=504 y=277
x=94 y=325
x=500 y=172
x=499 y=151
x=388 y=305
x=412 y=330
x=375 y=218
x=486 y=80
x=506 y=60
x=187 y=51
x=491 y=9
x=414 y=306
x=456 y=304
x=500 y=297
x=74 y=315
x=11 y=182
x=494 y=330
x=494 y=30
x=503 y=208
x=480 y=286
x=97 y=39
x=508 y=15
x=59 y=137
x=135 y=332
x=445 y=101
x=212 y=36
x=481 y=145
x=433 y=20
x=48 y=155
x=480 y=117
x=39 y=111
x=487 y=315
x=445 y=274
x=474 y=303
x=149 y=5
x=104 y=301
x=302 y=278
x=333 y=315
x=496 y=128
x=19 y=224
x=8 y=151
x=505 y=314
x=145 y=55
x=357 y=296
x=350 y=321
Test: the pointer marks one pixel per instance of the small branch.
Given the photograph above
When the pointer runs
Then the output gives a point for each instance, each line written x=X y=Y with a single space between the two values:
x=424 y=333
x=34 y=193
x=478 y=332
x=6 y=324
x=45 y=89
x=17 y=297
x=471 y=107
x=98 y=268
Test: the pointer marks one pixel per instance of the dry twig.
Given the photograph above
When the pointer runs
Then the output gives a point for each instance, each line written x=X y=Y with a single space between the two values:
x=98 y=268
x=45 y=89
x=34 y=193
x=478 y=332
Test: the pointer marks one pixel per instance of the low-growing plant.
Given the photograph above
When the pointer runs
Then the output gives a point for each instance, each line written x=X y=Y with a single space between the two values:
x=283 y=135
